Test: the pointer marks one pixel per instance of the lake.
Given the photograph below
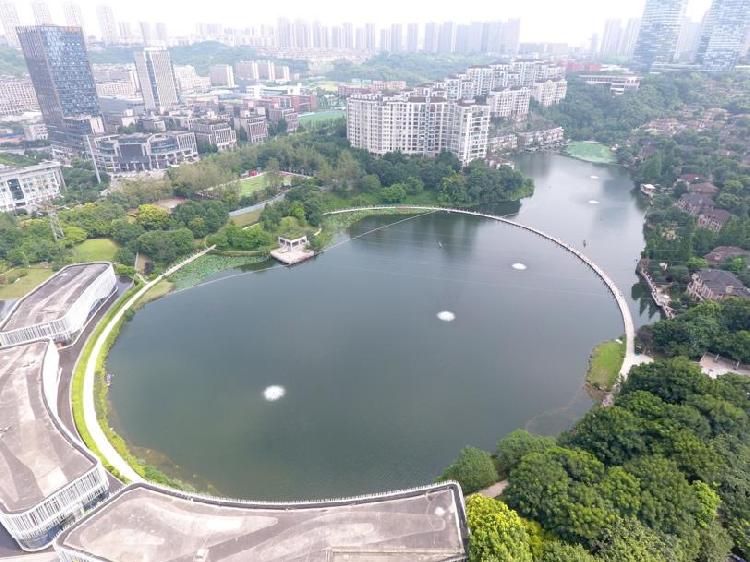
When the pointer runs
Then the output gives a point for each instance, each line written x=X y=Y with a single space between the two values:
x=369 y=367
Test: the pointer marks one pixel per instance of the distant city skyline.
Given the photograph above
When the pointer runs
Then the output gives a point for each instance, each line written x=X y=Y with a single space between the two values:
x=572 y=22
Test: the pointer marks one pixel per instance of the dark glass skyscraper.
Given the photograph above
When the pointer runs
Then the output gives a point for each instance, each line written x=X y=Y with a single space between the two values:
x=660 y=29
x=60 y=71
x=723 y=34
x=59 y=67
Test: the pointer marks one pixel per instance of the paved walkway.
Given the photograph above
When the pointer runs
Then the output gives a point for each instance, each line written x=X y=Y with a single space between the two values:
x=495 y=490
x=105 y=448
x=631 y=357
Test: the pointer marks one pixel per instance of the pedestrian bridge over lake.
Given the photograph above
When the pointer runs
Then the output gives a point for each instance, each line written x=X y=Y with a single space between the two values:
x=631 y=358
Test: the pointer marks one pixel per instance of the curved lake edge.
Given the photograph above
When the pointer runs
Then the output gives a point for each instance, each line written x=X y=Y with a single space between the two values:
x=379 y=212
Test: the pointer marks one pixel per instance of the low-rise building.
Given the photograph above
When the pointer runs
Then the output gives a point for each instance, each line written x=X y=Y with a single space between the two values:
x=48 y=479
x=541 y=139
x=17 y=95
x=694 y=203
x=222 y=75
x=214 y=132
x=116 y=89
x=502 y=143
x=59 y=308
x=143 y=152
x=286 y=114
x=716 y=284
x=254 y=126
x=704 y=188
x=721 y=254
x=30 y=187
x=713 y=219
x=617 y=84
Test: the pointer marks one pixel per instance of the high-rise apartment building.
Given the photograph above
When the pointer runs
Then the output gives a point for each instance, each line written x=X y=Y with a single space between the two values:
x=347 y=36
x=687 y=42
x=446 y=37
x=659 y=32
x=72 y=13
x=222 y=75
x=10 y=21
x=396 y=38
x=162 y=34
x=41 y=12
x=418 y=124
x=462 y=38
x=370 y=36
x=412 y=37
x=107 y=24
x=156 y=75
x=431 y=37
x=612 y=38
x=723 y=35
x=147 y=32
x=59 y=67
x=629 y=37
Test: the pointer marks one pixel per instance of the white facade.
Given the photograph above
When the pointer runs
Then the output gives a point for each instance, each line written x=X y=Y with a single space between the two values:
x=550 y=92
x=63 y=480
x=415 y=124
x=27 y=188
x=218 y=133
x=10 y=21
x=510 y=103
x=156 y=76
x=16 y=96
x=65 y=327
x=221 y=75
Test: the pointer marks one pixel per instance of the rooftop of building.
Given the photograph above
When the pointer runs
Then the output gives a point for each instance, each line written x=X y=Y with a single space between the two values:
x=721 y=253
x=146 y=523
x=722 y=282
x=12 y=171
x=52 y=299
x=37 y=457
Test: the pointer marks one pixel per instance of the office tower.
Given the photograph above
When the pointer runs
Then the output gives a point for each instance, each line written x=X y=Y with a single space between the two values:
x=147 y=32
x=41 y=12
x=370 y=36
x=687 y=42
x=629 y=37
x=107 y=24
x=126 y=32
x=73 y=14
x=347 y=38
x=156 y=75
x=612 y=38
x=161 y=32
x=9 y=19
x=431 y=37
x=59 y=67
x=462 y=38
x=412 y=37
x=660 y=29
x=446 y=37
x=396 y=39
x=723 y=35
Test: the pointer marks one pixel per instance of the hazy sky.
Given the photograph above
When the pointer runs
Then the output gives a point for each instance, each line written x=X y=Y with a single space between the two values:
x=571 y=21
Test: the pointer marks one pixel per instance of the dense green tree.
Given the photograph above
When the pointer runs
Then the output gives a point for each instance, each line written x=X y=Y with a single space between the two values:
x=497 y=533
x=474 y=470
x=514 y=446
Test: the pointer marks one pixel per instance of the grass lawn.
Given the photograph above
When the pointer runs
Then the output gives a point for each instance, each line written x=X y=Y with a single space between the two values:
x=96 y=249
x=23 y=285
x=248 y=186
x=321 y=116
x=246 y=219
x=605 y=363
x=591 y=152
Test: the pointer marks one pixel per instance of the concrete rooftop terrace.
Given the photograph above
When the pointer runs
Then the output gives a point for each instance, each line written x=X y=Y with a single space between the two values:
x=37 y=458
x=145 y=523
x=52 y=299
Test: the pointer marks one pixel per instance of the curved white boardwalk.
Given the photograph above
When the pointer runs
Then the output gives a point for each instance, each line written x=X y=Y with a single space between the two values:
x=630 y=356
x=106 y=450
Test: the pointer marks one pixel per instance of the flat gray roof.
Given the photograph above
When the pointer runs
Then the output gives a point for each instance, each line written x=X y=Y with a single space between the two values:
x=52 y=299
x=144 y=523
x=36 y=457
